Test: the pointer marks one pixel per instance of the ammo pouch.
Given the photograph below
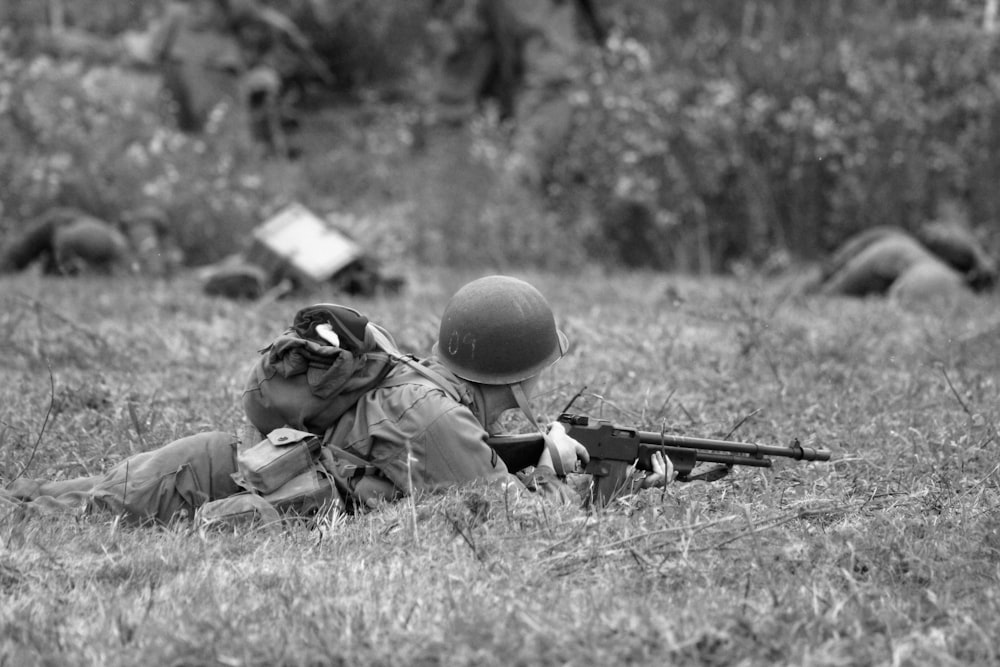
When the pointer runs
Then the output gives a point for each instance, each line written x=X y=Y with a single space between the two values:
x=304 y=494
x=307 y=492
x=285 y=454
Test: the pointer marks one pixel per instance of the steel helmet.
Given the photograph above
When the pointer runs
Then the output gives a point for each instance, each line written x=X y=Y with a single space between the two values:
x=498 y=330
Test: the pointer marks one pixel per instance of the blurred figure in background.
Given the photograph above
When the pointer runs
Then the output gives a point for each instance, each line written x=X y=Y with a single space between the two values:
x=524 y=56
x=942 y=259
x=154 y=247
x=199 y=58
x=68 y=241
x=239 y=50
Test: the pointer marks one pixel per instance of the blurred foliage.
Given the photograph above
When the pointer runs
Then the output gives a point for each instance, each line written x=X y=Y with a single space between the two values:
x=708 y=134
x=93 y=139
x=23 y=21
x=364 y=42
x=753 y=130
x=98 y=135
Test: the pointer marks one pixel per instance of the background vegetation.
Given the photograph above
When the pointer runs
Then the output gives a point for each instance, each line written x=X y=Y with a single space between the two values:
x=718 y=135
x=707 y=134
x=888 y=555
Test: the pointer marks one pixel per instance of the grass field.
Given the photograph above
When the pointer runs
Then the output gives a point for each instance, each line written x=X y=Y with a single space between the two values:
x=887 y=555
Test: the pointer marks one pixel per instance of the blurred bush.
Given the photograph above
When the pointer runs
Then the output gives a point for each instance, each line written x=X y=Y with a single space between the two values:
x=750 y=131
x=95 y=138
x=708 y=134
x=364 y=43
x=25 y=22
x=86 y=132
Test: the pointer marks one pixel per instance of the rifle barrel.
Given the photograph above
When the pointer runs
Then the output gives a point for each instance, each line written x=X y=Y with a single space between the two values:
x=701 y=456
x=796 y=451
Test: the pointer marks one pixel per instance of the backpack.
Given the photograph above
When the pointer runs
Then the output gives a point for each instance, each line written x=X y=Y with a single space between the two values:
x=296 y=392
x=317 y=370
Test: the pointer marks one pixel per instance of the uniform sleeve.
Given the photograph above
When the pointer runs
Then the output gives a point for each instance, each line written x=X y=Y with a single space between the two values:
x=421 y=439
x=436 y=443
x=453 y=450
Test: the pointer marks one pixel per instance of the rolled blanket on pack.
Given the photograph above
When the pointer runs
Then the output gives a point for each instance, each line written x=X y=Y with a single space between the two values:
x=351 y=330
x=310 y=375
x=348 y=324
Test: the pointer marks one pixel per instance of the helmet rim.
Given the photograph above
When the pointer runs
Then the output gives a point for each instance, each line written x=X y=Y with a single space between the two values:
x=498 y=378
x=498 y=330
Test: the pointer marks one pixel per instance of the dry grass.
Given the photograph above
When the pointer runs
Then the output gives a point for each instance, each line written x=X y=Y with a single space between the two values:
x=888 y=555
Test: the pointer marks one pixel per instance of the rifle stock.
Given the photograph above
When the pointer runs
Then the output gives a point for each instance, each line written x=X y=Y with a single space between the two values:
x=613 y=449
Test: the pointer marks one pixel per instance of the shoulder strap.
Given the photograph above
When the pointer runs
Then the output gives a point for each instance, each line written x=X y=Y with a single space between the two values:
x=432 y=376
x=387 y=345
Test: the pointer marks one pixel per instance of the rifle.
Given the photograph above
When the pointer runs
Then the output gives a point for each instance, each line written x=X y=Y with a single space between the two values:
x=614 y=448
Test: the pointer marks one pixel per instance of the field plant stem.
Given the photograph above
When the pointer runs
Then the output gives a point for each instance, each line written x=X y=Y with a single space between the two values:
x=965 y=408
x=740 y=423
x=757 y=550
x=412 y=501
x=136 y=424
x=663 y=407
x=39 y=307
x=125 y=486
x=79 y=460
x=465 y=532
x=45 y=421
x=958 y=397
x=506 y=503
x=573 y=400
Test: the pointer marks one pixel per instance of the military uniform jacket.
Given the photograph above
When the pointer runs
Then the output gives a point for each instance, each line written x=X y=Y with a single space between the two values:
x=418 y=434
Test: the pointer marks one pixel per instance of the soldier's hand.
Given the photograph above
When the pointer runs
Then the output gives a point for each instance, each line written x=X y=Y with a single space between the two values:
x=661 y=475
x=562 y=452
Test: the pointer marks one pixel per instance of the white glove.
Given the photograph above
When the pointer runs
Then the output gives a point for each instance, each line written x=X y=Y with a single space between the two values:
x=662 y=474
x=562 y=452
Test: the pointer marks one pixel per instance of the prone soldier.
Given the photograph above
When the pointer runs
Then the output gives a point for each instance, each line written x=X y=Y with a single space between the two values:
x=942 y=260
x=419 y=427
x=238 y=50
x=523 y=54
x=67 y=241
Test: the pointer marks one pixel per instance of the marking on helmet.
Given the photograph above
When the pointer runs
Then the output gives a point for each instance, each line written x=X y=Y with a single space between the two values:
x=456 y=342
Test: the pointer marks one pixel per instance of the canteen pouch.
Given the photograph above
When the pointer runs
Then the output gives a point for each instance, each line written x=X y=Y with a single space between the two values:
x=311 y=492
x=242 y=507
x=283 y=455
x=307 y=493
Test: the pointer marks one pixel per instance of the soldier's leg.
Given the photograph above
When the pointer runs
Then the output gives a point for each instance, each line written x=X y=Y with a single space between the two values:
x=32 y=489
x=861 y=276
x=172 y=481
x=930 y=282
x=876 y=267
x=855 y=245
x=69 y=495
x=89 y=245
x=34 y=242
x=158 y=485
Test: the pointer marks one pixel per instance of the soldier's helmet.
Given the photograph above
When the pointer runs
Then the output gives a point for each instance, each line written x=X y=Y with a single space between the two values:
x=498 y=330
